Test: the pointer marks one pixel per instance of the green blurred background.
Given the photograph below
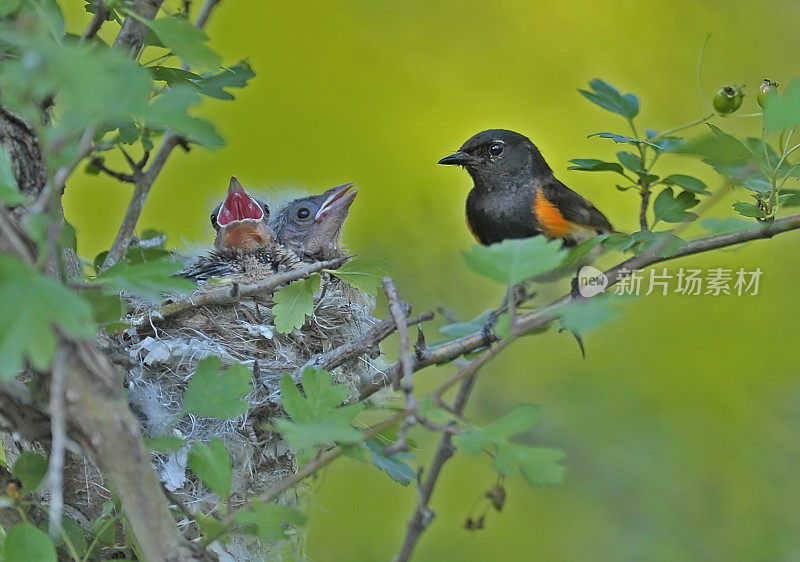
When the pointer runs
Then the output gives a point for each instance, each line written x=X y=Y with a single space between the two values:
x=680 y=425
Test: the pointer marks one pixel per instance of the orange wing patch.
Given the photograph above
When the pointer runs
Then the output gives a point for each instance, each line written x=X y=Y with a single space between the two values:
x=471 y=231
x=551 y=221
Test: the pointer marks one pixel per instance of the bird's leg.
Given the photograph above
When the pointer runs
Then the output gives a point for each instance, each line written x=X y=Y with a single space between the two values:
x=515 y=295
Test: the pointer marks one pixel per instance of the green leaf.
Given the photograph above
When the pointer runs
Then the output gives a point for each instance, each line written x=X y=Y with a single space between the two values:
x=783 y=112
x=576 y=253
x=170 y=111
x=584 y=315
x=30 y=469
x=293 y=303
x=688 y=183
x=268 y=522
x=608 y=97
x=519 y=419
x=105 y=530
x=164 y=443
x=236 y=76
x=667 y=243
x=673 y=208
x=9 y=191
x=728 y=224
x=185 y=40
x=317 y=419
x=24 y=543
x=461 y=329
x=538 y=465
x=725 y=153
x=622 y=139
x=174 y=76
x=73 y=532
x=212 y=394
x=513 y=261
x=789 y=198
x=51 y=15
x=212 y=464
x=749 y=210
x=146 y=280
x=594 y=165
x=211 y=528
x=630 y=161
x=397 y=470
x=107 y=310
x=364 y=274
x=32 y=305
x=8 y=7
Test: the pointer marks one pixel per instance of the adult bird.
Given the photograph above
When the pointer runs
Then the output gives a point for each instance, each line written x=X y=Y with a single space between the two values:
x=516 y=195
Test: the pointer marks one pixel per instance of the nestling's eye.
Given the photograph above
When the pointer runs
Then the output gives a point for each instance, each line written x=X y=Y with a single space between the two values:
x=303 y=213
x=496 y=149
x=214 y=219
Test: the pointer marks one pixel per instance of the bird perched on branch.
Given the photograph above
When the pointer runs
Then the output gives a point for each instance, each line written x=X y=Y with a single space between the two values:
x=244 y=246
x=515 y=194
x=311 y=226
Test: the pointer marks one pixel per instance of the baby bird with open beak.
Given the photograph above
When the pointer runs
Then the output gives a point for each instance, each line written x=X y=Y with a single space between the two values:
x=311 y=226
x=245 y=247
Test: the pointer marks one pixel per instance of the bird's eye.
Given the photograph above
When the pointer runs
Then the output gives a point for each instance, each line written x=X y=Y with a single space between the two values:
x=214 y=220
x=303 y=213
x=496 y=149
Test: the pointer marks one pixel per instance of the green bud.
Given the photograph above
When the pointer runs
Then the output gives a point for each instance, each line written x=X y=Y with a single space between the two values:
x=764 y=90
x=728 y=100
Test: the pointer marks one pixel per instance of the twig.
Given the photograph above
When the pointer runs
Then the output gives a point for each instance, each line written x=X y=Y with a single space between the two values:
x=643 y=209
x=98 y=163
x=398 y=312
x=55 y=471
x=544 y=315
x=99 y=18
x=205 y=12
x=225 y=294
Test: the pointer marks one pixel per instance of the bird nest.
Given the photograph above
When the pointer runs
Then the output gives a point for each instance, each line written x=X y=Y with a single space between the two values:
x=163 y=356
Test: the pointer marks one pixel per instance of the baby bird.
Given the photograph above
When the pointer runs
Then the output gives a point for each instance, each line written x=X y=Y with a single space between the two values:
x=245 y=247
x=311 y=226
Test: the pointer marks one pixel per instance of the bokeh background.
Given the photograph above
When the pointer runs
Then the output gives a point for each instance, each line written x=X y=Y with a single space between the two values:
x=681 y=423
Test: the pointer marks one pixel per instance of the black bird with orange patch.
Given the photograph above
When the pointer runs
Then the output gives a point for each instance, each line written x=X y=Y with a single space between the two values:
x=516 y=195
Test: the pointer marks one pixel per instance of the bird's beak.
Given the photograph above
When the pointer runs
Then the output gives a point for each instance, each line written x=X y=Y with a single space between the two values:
x=238 y=206
x=337 y=203
x=456 y=159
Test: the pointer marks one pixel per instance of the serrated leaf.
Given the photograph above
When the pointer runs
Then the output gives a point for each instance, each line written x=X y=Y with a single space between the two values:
x=582 y=316
x=170 y=111
x=513 y=261
x=293 y=303
x=25 y=542
x=185 y=40
x=317 y=419
x=622 y=139
x=9 y=190
x=164 y=443
x=236 y=76
x=538 y=465
x=212 y=394
x=364 y=274
x=594 y=165
x=520 y=418
x=728 y=224
x=30 y=469
x=687 y=183
x=212 y=464
x=725 y=153
x=32 y=306
x=146 y=280
x=397 y=470
x=783 y=112
x=667 y=243
x=669 y=207
x=608 y=97
x=630 y=161
x=749 y=210
x=268 y=521
x=174 y=76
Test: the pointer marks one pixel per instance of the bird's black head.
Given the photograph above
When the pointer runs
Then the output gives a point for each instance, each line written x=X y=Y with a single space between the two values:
x=499 y=156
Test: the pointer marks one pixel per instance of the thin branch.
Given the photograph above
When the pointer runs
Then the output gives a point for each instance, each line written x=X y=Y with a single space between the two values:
x=397 y=310
x=98 y=163
x=544 y=315
x=205 y=13
x=99 y=18
x=55 y=471
x=643 y=208
x=227 y=294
